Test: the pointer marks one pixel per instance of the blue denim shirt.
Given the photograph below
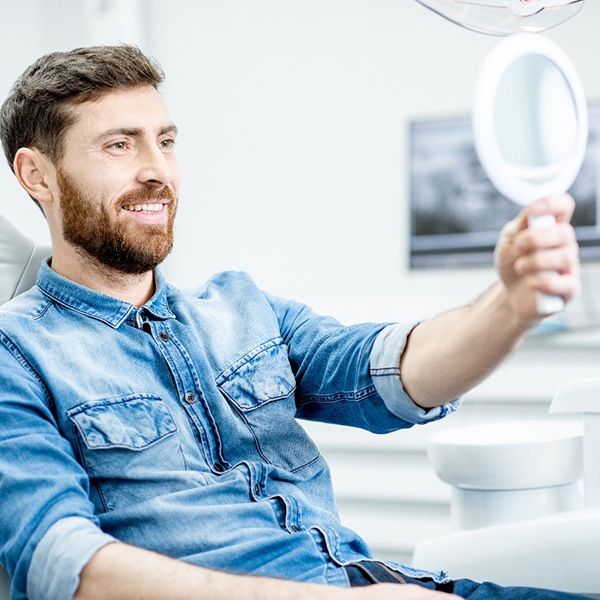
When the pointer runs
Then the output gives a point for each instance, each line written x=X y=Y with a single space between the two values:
x=173 y=427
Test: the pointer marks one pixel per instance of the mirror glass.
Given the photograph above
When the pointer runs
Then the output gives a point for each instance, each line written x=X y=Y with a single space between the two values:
x=535 y=117
x=530 y=118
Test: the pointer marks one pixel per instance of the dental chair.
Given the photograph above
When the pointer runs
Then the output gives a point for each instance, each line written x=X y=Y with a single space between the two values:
x=20 y=259
x=525 y=499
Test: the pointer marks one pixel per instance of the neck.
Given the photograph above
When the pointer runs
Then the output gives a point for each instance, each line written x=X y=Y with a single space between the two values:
x=86 y=271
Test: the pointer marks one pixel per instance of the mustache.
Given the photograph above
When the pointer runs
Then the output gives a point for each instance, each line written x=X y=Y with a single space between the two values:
x=148 y=195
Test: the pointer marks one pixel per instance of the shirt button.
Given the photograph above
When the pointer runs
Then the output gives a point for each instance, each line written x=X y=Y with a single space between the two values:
x=190 y=397
x=257 y=490
x=164 y=336
x=295 y=528
x=218 y=467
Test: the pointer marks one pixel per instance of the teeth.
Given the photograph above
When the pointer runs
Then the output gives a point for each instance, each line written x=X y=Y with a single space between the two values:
x=144 y=207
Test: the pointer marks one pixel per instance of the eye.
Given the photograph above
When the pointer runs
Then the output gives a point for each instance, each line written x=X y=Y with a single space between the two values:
x=167 y=143
x=120 y=145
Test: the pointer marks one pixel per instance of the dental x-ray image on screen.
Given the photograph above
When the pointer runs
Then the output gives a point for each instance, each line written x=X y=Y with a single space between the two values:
x=455 y=211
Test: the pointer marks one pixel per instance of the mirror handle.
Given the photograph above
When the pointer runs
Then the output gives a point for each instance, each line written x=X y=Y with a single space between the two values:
x=547 y=304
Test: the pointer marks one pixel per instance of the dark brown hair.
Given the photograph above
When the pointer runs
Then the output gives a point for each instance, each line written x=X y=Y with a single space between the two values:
x=37 y=110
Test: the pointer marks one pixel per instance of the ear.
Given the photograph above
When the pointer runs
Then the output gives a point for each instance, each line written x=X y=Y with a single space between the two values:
x=34 y=172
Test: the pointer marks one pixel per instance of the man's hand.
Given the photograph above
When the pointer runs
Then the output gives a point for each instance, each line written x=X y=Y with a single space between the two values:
x=533 y=260
x=448 y=355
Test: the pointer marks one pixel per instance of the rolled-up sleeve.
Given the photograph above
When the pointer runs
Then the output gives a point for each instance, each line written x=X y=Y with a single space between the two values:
x=48 y=529
x=60 y=557
x=387 y=350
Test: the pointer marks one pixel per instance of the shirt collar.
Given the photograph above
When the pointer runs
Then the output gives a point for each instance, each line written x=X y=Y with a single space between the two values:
x=111 y=311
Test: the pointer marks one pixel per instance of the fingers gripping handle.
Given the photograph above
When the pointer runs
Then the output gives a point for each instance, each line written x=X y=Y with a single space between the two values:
x=547 y=304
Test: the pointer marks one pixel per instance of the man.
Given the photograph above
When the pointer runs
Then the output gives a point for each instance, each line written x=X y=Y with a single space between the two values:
x=149 y=447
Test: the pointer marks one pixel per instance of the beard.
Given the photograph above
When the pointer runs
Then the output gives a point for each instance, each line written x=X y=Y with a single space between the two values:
x=112 y=242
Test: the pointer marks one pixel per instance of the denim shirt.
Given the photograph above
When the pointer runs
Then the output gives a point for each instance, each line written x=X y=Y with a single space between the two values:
x=173 y=427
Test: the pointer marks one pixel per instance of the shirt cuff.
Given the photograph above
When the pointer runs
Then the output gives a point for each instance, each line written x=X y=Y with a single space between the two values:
x=60 y=557
x=385 y=370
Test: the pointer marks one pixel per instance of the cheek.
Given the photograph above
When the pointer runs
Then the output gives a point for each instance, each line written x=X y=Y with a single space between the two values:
x=176 y=179
x=103 y=179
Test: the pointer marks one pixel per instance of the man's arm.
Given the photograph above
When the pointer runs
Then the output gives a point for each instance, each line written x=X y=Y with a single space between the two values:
x=122 y=572
x=449 y=354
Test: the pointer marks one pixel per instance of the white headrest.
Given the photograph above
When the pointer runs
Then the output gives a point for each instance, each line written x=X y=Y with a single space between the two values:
x=20 y=259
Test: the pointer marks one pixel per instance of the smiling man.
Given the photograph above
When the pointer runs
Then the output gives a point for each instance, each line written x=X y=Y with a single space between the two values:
x=110 y=196
x=149 y=446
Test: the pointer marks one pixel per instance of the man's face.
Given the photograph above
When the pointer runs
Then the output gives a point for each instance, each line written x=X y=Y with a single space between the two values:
x=118 y=181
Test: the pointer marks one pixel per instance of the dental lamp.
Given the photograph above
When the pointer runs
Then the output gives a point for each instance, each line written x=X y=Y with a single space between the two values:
x=505 y=17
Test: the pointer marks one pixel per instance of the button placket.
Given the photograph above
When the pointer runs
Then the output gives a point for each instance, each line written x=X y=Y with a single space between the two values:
x=191 y=396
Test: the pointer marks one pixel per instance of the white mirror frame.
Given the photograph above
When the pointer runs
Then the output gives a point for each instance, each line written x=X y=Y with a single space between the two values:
x=502 y=56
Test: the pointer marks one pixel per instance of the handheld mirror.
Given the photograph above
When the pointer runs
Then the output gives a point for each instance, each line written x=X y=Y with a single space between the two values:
x=530 y=125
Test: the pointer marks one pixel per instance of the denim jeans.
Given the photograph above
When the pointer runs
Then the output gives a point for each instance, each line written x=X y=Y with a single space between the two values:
x=370 y=572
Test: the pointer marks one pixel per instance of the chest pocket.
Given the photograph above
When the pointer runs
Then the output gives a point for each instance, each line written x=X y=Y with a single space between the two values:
x=260 y=386
x=127 y=445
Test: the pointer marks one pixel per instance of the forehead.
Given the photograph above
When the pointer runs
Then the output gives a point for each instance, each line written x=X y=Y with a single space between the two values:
x=134 y=108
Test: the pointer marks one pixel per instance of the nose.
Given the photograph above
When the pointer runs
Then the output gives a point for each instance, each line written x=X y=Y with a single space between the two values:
x=157 y=168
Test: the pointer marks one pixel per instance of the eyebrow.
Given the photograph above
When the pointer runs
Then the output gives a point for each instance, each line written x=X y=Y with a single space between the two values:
x=135 y=131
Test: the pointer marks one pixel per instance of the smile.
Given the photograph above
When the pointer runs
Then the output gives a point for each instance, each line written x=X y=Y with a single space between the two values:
x=149 y=208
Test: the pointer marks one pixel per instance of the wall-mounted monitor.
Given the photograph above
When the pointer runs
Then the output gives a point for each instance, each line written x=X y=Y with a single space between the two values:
x=456 y=213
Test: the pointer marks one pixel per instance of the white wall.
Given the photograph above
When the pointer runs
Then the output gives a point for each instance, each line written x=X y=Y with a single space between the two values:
x=293 y=118
x=295 y=160
x=294 y=148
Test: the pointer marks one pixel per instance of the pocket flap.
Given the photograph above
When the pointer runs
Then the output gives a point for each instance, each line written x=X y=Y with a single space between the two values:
x=133 y=422
x=261 y=376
